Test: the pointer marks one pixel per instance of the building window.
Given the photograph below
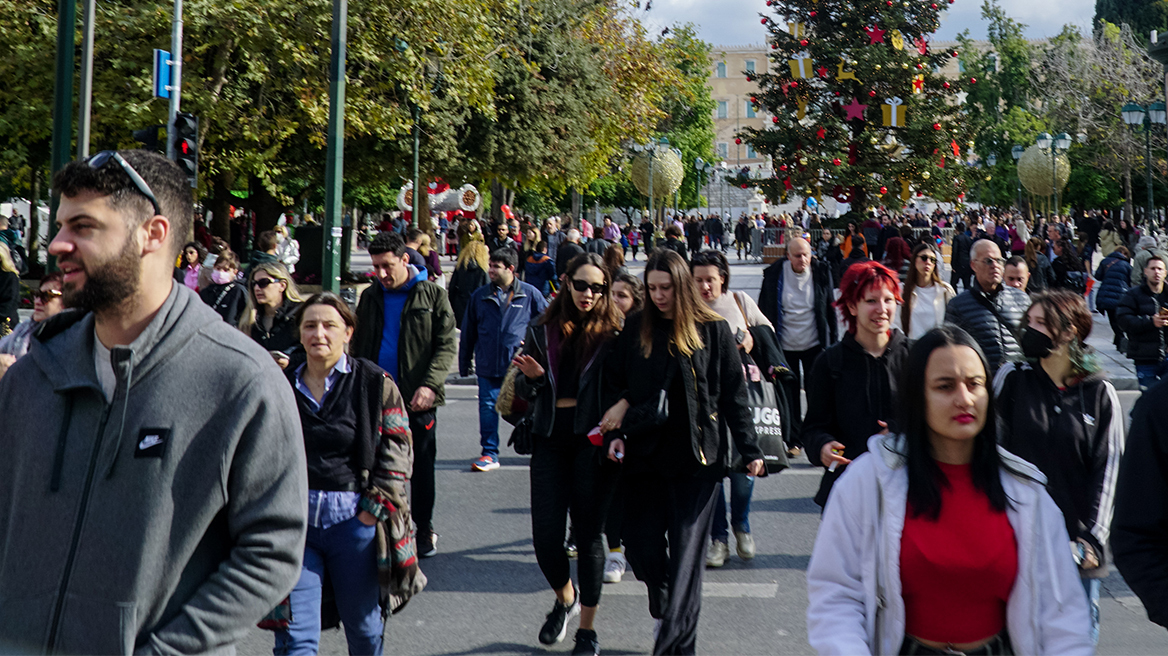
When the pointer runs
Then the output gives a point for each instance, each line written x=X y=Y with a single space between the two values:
x=723 y=110
x=750 y=153
x=723 y=150
x=720 y=69
x=750 y=109
x=749 y=65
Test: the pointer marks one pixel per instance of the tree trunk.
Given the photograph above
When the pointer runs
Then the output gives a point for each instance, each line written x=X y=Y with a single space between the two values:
x=577 y=201
x=498 y=200
x=1127 y=194
x=34 y=221
x=266 y=206
x=425 y=224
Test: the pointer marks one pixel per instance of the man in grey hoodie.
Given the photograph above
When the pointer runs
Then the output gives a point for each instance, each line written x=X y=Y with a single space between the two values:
x=153 y=491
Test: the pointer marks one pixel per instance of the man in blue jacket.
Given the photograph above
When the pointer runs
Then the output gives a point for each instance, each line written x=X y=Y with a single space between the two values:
x=492 y=330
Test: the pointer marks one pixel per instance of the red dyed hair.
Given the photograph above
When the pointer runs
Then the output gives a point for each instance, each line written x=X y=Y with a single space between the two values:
x=857 y=280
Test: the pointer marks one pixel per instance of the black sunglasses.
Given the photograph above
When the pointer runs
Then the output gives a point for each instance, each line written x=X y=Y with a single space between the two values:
x=581 y=285
x=264 y=282
x=99 y=160
x=46 y=295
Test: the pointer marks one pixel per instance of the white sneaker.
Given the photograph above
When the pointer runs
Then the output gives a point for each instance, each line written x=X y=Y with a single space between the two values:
x=614 y=567
x=718 y=553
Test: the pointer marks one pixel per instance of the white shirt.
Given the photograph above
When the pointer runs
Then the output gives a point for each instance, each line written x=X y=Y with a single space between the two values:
x=799 y=332
x=924 y=311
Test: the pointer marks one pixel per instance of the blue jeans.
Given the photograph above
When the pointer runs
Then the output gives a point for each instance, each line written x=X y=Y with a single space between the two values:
x=1148 y=374
x=741 y=489
x=488 y=417
x=1091 y=587
x=349 y=553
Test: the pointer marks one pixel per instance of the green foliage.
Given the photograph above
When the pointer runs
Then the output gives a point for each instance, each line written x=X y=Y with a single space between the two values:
x=689 y=108
x=1142 y=15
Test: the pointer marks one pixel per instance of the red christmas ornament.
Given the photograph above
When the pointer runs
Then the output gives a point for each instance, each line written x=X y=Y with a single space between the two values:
x=774 y=119
x=973 y=80
x=821 y=133
x=763 y=21
x=934 y=5
x=837 y=94
x=794 y=84
x=812 y=14
x=803 y=42
x=738 y=141
x=945 y=84
x=774 y=46
x=936 y=126
x=889 y=3
x=954 y=53
x=919 y=194
x=753 y=100
x=822 y=70
x=884 y=190
x=872 y=93
x=783 y=167
x=744 y=186
x=952 y=1
x=836 y=161
x=920 y=67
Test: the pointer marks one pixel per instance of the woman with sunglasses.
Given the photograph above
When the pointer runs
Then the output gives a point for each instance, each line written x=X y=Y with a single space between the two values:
x=938 y=541
x=925 y=294
x=271 y=303
x=46 y=303
x=190 y=264
x=677 y=370
x=561 y=361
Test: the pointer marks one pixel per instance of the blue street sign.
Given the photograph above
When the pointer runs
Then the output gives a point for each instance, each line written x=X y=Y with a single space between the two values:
x=161 y=73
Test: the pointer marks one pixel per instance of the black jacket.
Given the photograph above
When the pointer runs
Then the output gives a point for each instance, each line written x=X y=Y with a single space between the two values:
x=565 y=254
x=714 y=386
x=592 y=399
x=9 y=300
x=1074 y=436
x=1139 y=530
x=283 y=335
x=1113 y=274
x=1145 y=342
x=228 y=299
x=971 y=311
x=959 y=258
x=463 y=282
x=848 y=391
x=677 y=246
x=770 y=300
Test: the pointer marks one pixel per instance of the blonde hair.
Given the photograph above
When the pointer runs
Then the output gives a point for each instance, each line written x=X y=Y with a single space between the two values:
x=276 y=271
x=424 y=244
x=475 y=251
x=6 y=262
x=688 y=308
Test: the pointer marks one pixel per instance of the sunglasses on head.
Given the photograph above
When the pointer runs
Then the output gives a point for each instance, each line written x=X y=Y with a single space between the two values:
x=263 y=283
x=46 y=295
x=581 y=285
x=99 y=160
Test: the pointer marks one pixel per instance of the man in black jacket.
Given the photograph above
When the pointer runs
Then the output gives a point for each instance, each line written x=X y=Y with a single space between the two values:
x=990 y=311
x=567 y=251
x=674 y=243
x=959 y=257
x=796 y=298
x=1141 y=315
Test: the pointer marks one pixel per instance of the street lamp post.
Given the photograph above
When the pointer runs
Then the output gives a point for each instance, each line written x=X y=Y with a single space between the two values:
x=1055 y=144
x=1016 y=152
x=722 y=203
x=1134 y=116
x=705 y=169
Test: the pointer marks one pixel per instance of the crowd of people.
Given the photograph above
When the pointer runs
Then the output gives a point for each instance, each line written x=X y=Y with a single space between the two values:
x=967 y=438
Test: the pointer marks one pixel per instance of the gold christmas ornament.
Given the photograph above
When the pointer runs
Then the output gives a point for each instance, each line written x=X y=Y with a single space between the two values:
x=803 y=161
x=897 y=40
x=1034 y=171
x=877 y=66
x=925 y=175
x=668 y=172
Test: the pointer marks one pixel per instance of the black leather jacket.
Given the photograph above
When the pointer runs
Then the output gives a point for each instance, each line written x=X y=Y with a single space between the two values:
x=592 y=400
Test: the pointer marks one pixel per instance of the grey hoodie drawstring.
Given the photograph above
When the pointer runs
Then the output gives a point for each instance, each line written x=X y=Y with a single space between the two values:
x=129 y=362
x=59 y=456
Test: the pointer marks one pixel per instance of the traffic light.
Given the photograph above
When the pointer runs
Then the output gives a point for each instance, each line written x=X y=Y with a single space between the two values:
x=186 y=145
x=148 y=137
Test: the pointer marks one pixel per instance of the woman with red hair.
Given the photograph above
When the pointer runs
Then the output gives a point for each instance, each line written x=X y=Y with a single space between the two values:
x=851 y=393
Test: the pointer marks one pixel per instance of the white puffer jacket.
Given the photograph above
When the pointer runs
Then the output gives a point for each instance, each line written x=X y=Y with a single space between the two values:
x=853 y=580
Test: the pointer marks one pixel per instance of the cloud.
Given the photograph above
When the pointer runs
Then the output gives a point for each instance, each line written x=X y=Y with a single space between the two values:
x=736 y=22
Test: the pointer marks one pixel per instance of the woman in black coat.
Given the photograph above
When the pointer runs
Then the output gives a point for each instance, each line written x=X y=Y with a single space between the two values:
x=469 y=275
x=677 y=370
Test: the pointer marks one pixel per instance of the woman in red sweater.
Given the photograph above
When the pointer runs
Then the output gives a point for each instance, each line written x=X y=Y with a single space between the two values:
x=938 y=542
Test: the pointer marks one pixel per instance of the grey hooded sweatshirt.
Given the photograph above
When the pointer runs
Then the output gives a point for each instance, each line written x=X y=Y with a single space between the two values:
x=167 y=521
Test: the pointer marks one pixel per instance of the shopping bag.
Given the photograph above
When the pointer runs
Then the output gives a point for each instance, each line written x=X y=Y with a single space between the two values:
x=767 y=411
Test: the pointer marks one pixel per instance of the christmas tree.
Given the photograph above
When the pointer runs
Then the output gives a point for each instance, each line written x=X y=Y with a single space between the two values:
x=859 y=107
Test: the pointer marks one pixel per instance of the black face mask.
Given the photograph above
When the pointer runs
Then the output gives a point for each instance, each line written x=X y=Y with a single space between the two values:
x=1036 y=345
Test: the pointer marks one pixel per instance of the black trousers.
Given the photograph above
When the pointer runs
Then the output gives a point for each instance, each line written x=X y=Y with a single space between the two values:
x=800 y=363
x=1116 y=331
x=424 y=428
x=568 y=475
x=666 y=530
x=614 y=521
x=963 y=276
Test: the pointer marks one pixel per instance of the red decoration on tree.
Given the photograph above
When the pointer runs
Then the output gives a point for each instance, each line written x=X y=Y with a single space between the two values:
x=934 y=5
x=853 y=152
x=922 y=45
x=936 y=126
x=883 y=190
x=973 y=80
x=919 y=194
x=836 y=161
x=763 y=21
x=812 y=14
x=802 y=42
x=787 y=181
x=956 y=148
x=794 y=84
x=822 y=71
x=753 y=100
x=954 y=53
x=821 y=133
x=774 y=119
x=855 y=110
x=872 y=93
x=744 y=186
x=945 y=84
x=783 y=167
x=875 y=34
x=920 y=67
x=738 y=141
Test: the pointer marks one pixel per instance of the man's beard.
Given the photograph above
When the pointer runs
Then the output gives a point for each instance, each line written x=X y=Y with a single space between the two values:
x=108 y=284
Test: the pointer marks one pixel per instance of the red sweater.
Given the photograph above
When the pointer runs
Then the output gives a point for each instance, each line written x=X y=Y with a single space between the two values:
x=956 y=573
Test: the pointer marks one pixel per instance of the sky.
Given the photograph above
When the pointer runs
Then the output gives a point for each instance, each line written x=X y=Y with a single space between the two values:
x=736 y=22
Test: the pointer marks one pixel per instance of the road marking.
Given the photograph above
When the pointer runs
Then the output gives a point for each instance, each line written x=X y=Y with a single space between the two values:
x=801 y=471
x=709 y=589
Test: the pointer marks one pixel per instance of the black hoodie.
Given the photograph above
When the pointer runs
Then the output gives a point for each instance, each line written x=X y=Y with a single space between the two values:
x=848 y=391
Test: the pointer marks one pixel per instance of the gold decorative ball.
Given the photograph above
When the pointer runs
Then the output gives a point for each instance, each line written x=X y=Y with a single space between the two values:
x=904 y=66
x=668 y=172
x=925 y=175
x=853 y=62
x=843 y=24
x=803 y=160
x=877 y=66
x=872 y=140
x=1034 y=171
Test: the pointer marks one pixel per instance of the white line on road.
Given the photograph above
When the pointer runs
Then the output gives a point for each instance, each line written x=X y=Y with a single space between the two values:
x=802 y=471
x=709 y=589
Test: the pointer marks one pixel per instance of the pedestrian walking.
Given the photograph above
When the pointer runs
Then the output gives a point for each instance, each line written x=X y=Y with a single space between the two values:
x=470 y=273
x=360 y=456
x=568 y=250
x=563 y=354
x=938 y=542
x=540 y=271
x=226 y=295
x=711 y=274
x=959 y=257
x=852 y=389
x=47 y=302
x=680 y=354
x=190 y=264
x=674 y=243
x=495 y=323
x=287 y=249
x=271 y=305
x=164 y=444
x=1041 y=272
x=1059 y=413
x=1017 y=273
x=406 y=325
x=1143 y=314
x=1113 y=274
x=9 y=292
x=925 y=294
x=990 y=311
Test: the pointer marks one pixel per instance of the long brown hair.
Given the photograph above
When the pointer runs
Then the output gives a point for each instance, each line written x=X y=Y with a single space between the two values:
x=688 y=307
x=583 y=331
x=911 y=282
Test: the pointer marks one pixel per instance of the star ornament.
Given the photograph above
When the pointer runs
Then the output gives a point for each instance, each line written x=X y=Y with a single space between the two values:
x=855 y=110
x=875 y=34
x=961 y=96
x=821 y=133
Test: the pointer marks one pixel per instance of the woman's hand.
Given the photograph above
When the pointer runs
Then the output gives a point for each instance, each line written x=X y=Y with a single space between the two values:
x=280 y=358
x=616 y=414
x=366 y=518
x=528 y=365
x=747 y=343
x=616 y=450
x=832 y=454
x=756 y=467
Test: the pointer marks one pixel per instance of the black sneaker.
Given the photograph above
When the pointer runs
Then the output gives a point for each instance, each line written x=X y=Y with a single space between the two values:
x=556 y=626
x=586 y=643
x=427 y=544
